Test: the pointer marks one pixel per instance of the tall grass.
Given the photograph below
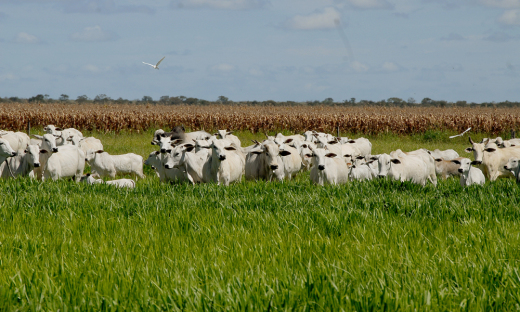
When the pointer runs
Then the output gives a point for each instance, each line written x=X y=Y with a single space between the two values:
x=377 y=245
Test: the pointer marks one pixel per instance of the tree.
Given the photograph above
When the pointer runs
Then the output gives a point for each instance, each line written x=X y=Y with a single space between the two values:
x=64 y=97
x=101 y=98
x=411 y=100
x=222 y=99
x=328 y=101
x=147 y=98
x=164 y=99
x=82 y=99
x=38 y=98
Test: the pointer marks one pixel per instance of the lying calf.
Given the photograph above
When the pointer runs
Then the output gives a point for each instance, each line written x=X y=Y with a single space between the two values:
x=129 y=183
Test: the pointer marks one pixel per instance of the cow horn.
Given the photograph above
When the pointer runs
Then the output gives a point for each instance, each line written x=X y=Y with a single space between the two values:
x=471 y=141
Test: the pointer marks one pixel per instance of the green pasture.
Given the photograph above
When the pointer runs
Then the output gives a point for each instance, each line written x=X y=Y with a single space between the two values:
x=258 y=246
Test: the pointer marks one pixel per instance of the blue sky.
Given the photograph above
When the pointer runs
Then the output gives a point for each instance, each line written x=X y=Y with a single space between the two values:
x=296 y=50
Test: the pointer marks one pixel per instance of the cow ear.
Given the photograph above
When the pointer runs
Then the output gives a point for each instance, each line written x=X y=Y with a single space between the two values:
x=288 y=141
x=38 y=136
x=368 y=163
x=154 y=143
x=469 y=150
x=230 y=148
x=490 y=150
x=100 y=151
x=438 y=159
x=474 y=162
x=59 y=129
x=257 y=152
x=230 y=132
x=215 y=134
x=176 y=141
x=360 y=157
x=347 y=155
x=188 y=145
x=157 y=153
x=396 y=161
x=190 y=148
x=332 y=142
x=456 y=162
x=351 y=141
x=331 y=155
x=284 y=153
x=42 y=151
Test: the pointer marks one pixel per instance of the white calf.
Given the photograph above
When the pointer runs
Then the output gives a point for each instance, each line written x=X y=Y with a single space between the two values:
x=469 y=174
x=105 y=164
x=128 y=183
x=328 y=168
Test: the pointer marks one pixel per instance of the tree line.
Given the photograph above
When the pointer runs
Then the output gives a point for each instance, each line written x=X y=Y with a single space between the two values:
x=222 y=100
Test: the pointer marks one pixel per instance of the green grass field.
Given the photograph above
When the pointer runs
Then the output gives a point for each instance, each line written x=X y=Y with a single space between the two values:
x=364 y=246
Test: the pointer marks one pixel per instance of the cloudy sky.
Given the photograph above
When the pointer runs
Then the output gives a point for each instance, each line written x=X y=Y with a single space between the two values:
x=278 y=50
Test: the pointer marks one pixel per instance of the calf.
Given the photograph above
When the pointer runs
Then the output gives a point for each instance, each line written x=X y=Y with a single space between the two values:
x=469 y=174
x=446 y=168
x=403 y=168
x=128 y=183
x=513 y=165
x=68 y=161
x=157 y=161
x=105 y=164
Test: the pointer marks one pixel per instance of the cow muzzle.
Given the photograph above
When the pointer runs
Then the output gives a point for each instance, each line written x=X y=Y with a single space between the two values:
x=55 y=150
x=505 y=167
x=381 y=176
x=274 y=167
x=168 y=166
x=222 y=157
x=321 y=167
x=163 y=150
x=460 y=170
x=36 y=165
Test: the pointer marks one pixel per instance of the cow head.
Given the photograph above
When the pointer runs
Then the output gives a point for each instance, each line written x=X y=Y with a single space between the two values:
x=464 y=164
x=319 y=158
x=48 y=142
x=91 y=154
x=512 y=164
x=32 y=152
x=385 y=163
x=477 y=149
x=5 y=149
x=220 y=149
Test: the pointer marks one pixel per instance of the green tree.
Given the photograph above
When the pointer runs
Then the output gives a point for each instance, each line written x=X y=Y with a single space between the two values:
x=222 y=99
x=82 y=99
x=147 y=99
x=64 y=97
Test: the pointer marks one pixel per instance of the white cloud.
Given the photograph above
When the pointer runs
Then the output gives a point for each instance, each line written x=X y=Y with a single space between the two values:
x=510 y=17
x=369 y=4
x=224 y=67
x=24 y=37
x=91 y=34
x=220 y=4
x=390 y=66
x=6 y=77
x=104 y=7
x=359 y=67
x=91 y=68
x=504 y=4
x=326 y=19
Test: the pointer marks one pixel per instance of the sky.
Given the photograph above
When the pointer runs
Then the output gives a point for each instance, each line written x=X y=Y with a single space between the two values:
x=246 y=50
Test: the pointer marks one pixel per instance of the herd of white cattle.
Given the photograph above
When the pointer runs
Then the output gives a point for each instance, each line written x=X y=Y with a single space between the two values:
x=200 y=157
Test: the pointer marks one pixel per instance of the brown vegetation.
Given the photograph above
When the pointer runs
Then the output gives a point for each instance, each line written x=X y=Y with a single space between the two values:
x=368 y=120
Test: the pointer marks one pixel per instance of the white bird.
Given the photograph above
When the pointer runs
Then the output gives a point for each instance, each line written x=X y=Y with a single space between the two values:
x=458 y=135
x=156 y=66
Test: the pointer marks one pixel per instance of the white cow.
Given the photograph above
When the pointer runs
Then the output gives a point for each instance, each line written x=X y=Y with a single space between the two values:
x=197 y=166
x=85 y=144
x=157 y=161
x=328 y=168
x=274 y=165
x=65 y=133
x=493 y=159
x=227 y=135
x=121 y=183
x=47 y=148
x=292 y=162
x=426 y=157
x=22 y=164
x=446 y=168
x=508 y=143
x=67 y=161
x=403 y=168
x=6 y=150
x=17 y=140
x=360 y=172
x=513 y=165
x=448 y=154
x=105 y=164
x=363 y=145
x=469 y=174
x=295 y=137
x=227 y=164
x=304 y=149
x=255 y=166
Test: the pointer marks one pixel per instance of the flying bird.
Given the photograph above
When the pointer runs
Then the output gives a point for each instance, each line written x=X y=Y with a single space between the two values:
x=156 y=66
x=458 y=135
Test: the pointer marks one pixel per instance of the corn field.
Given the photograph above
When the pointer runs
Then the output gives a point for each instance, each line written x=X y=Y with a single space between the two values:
x=367 y=120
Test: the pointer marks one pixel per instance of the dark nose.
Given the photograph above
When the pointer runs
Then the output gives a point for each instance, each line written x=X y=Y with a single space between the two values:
x=55 y=150
x=163 y=150
x=505 y=167
x=36 y=165
x=222 y=157
x=460 y=170
x=274 y=167
x=321 y=167
x=167 y=166
x=381 y=176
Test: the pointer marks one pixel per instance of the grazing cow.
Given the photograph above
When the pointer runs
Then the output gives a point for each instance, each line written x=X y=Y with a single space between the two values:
x=426 y=157
x=17 y=140
x=157 y=161
x=328 y=168
x=227 y=135
x=446 y=168
x=493 y=159
x=448 y=154
x=105 y=164
x=513 y=165
x=227 y=164
x=22 y=164
x=67 y=161
x=403 y=168
x=364 y=146
x=468 y=174
x=86 y=144
x=128 y=183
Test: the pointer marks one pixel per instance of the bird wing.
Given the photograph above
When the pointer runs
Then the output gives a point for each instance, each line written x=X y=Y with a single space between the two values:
x=454 y=136
x=466 y=130
x=149 y=64
x=159 y=62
